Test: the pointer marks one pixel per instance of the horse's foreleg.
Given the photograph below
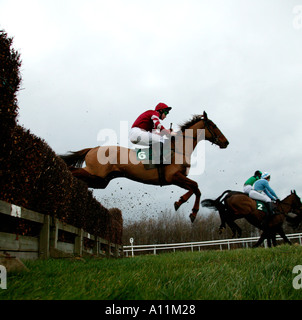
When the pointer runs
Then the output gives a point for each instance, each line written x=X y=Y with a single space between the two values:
x=182 y=181
x=183 y=199
x=283 y=235
x=260 y=241
x=197 y=201
x=274 y=241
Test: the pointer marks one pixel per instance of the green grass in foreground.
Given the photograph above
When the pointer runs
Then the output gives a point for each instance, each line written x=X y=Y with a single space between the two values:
x=237 y=274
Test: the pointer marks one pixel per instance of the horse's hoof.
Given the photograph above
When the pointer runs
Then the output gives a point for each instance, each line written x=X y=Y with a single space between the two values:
x=192 y=217
x=176 y=206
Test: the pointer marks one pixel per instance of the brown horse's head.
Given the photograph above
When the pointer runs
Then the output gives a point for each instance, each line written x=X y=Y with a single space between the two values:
x=295 y=203
x=293 y=200
x=213 y=133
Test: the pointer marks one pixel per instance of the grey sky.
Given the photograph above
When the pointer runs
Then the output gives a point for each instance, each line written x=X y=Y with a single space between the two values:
x=89 y=65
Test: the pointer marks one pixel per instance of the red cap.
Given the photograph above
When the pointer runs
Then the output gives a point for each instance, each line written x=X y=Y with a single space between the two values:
x=162 y=106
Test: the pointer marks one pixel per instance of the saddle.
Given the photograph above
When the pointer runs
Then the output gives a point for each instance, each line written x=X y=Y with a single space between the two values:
x=155 y=159
x=151 y=159
x=261 y=206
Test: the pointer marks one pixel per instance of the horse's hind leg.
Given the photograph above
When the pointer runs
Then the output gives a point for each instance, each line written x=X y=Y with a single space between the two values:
x=91 y=180
x=235 y=229
x=223 y=220
x=269 y=240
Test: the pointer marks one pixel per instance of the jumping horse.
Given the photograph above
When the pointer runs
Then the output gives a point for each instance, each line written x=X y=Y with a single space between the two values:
x=97 y=173
x=233 y=205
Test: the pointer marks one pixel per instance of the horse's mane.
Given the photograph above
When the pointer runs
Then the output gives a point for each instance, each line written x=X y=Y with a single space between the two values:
x=186 y=125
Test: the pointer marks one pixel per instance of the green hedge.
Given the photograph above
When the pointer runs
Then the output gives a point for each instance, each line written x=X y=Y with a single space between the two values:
x=10 y=80
x=33 y=176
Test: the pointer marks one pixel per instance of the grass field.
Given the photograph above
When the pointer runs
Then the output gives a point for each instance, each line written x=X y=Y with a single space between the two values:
x=231 y=275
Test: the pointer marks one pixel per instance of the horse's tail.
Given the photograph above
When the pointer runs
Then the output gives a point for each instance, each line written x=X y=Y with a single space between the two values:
x=75 y=159
x=215 y=204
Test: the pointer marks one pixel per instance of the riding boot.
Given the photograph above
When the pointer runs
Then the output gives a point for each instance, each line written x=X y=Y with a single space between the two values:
x=158 y=153
x=161 y=147
x=269 y=213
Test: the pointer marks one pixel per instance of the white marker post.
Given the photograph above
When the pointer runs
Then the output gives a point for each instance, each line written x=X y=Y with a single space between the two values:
x=131 y=242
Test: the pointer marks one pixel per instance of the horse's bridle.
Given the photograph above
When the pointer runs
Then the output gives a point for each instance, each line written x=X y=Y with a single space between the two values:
x=280 y=204
x=214 y=137
x=214 y=140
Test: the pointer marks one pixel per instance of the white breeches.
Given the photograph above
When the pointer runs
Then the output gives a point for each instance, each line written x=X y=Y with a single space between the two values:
x=247 y=188
x=145 y=138
x=259 y=196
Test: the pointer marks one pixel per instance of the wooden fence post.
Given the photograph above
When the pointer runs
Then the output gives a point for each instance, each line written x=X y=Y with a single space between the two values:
x=54 y=233
x=44 y=238
x=108 y=251
x=78 y=244
x=96 y=246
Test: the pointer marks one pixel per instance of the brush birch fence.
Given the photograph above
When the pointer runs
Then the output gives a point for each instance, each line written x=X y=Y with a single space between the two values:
x=47 y=243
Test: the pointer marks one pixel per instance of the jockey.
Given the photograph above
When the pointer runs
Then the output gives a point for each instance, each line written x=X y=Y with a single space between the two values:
x=263 y=192
x=143 y=129
x=250 y=182
x=147 y=129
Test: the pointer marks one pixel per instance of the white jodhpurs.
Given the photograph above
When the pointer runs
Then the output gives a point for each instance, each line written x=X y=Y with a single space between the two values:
x=247 y=188
x=259 y=196
x=145 y=138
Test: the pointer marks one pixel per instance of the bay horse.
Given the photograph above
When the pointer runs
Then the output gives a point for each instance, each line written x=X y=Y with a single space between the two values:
x=233 y=205
x=123 y=162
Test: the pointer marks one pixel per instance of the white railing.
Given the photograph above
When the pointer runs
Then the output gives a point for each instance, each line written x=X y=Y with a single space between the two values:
x=191 y=245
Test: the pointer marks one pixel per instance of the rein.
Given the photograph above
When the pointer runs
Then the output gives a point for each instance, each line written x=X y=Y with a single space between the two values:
x=279 y=206
x=282 y=211
x=215 y=138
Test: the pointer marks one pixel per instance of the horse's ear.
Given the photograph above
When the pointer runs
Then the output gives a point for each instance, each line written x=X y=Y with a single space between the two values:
x=205 y=115
x=295 y=192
